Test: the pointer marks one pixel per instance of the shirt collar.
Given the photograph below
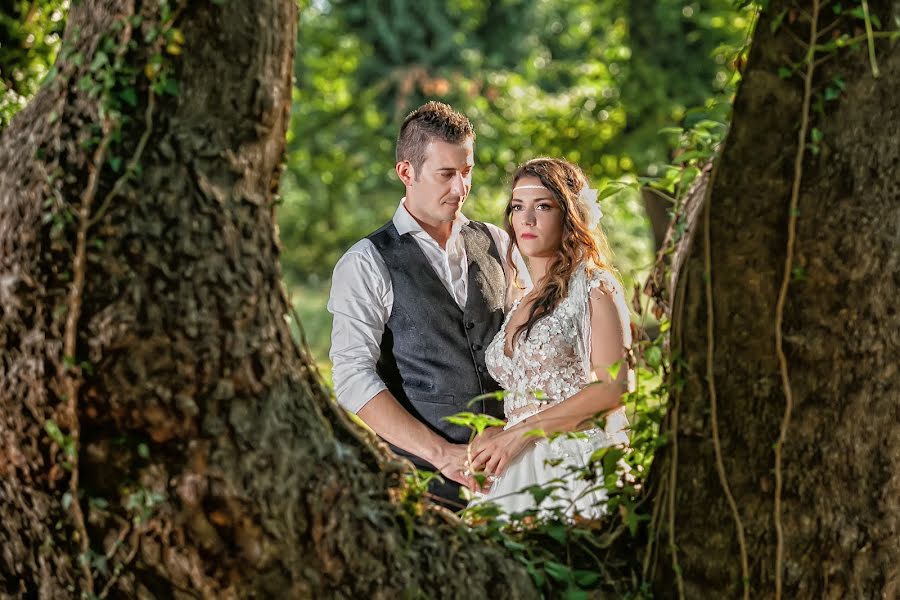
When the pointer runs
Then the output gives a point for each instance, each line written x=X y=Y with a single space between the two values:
x=405 y=223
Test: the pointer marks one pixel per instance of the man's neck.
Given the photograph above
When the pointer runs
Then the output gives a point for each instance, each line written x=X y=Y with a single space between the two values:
x=439 y=232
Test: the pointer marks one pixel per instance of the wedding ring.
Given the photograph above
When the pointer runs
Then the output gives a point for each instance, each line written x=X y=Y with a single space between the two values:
x=466 y=473
x=492 y=478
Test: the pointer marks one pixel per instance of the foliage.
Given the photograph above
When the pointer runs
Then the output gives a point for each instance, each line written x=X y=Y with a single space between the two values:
x=576 y=79
x=29 y=40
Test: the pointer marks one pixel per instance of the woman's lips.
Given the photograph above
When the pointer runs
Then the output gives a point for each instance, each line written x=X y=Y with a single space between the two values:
x=528 y=236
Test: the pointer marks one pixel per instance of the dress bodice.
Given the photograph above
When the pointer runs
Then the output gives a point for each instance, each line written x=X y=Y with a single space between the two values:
x=553 y=363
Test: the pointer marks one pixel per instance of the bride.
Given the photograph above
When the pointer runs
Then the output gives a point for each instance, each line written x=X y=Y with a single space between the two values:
x=557 y=348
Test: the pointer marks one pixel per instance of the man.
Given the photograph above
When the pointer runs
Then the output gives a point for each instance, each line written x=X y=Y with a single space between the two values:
x=416 y=303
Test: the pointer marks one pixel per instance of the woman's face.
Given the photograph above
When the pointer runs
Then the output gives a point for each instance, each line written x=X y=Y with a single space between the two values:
x=537 y=218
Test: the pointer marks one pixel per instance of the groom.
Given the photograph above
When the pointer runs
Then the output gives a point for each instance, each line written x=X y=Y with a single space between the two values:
x=416 y=303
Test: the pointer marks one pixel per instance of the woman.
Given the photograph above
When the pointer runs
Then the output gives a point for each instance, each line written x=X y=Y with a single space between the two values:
x=557 y=348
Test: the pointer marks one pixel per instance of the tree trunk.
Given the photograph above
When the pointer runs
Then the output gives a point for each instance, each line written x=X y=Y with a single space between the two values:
x=834 y=531
x=161 y=435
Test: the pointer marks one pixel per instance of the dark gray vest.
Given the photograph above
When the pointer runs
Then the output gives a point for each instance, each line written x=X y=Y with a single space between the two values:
x=432 y=352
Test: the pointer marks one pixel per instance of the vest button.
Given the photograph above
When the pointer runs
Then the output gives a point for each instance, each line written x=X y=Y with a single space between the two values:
x=481 y=368
x=476 y=347
x=470 y=325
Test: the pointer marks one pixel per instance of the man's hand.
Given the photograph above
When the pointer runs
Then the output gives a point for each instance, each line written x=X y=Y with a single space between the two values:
x=451 y=463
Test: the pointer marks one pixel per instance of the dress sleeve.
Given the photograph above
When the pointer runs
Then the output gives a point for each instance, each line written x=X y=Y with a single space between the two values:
x=606 y=327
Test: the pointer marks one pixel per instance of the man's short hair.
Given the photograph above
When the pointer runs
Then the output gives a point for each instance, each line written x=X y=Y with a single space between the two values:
x=433 y=120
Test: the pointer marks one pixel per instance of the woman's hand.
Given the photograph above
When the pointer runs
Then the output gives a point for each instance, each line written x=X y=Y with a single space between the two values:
x=494 y=450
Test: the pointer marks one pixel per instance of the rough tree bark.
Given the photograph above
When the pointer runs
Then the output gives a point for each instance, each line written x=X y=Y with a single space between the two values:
x=144 y=317
x=840 y=461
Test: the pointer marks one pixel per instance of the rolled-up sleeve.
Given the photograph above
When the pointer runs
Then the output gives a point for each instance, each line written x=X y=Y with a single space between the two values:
x=360 y=302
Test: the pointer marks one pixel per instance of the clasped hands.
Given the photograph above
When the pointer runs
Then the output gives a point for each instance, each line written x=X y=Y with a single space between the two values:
x=486 y=457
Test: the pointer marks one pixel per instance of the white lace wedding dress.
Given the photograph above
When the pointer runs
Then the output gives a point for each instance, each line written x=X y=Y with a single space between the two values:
x=545 y=369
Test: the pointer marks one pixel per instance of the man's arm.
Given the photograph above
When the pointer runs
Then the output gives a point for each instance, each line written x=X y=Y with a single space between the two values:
x=395 y=425
x=361 y=301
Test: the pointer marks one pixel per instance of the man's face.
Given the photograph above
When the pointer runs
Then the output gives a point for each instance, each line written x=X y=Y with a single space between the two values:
x=436 y=193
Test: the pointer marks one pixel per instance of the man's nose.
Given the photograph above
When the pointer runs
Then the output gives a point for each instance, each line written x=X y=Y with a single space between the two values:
x=458 y=185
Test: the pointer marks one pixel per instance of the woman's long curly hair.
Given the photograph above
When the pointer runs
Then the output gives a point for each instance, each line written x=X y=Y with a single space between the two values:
x=579 y=244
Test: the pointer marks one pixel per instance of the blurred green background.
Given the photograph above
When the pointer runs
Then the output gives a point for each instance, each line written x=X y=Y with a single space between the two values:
x=593 y=81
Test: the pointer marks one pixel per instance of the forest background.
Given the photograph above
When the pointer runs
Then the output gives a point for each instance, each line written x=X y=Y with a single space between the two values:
x=611 y=85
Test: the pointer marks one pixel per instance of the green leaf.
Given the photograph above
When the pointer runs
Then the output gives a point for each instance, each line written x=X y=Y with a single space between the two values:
x=541 y=492
x=776 y=22
x=498 y=396
x=143 y=451
x=558 y=532
x=477 y=422
x=816 y=134
x=538 y=433
x=573 y=593
x=129 y=97
x=98 y=502
x=55 y=433
x=558 y=571
x=169 y=86
x=653 y=356
x=536 y=575
x=85 y=83
x=613 y=369
x=586 y=579
x=784 y=72
x=100 y=59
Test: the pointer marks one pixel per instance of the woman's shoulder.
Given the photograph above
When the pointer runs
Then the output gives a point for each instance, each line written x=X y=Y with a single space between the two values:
x=589 y=279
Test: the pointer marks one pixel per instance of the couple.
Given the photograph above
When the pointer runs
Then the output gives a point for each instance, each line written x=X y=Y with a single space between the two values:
x=434 y=309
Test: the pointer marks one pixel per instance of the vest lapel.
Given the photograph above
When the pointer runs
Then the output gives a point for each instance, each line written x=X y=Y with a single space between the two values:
x=484 y=270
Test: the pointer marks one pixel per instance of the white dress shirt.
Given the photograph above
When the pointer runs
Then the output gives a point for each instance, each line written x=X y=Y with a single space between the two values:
x=362 y=298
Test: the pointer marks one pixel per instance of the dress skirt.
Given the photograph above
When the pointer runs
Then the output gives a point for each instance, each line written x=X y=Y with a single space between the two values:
x=558 y=467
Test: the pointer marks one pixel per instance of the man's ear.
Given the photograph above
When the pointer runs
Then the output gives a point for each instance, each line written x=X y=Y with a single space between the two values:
x=406 y=172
